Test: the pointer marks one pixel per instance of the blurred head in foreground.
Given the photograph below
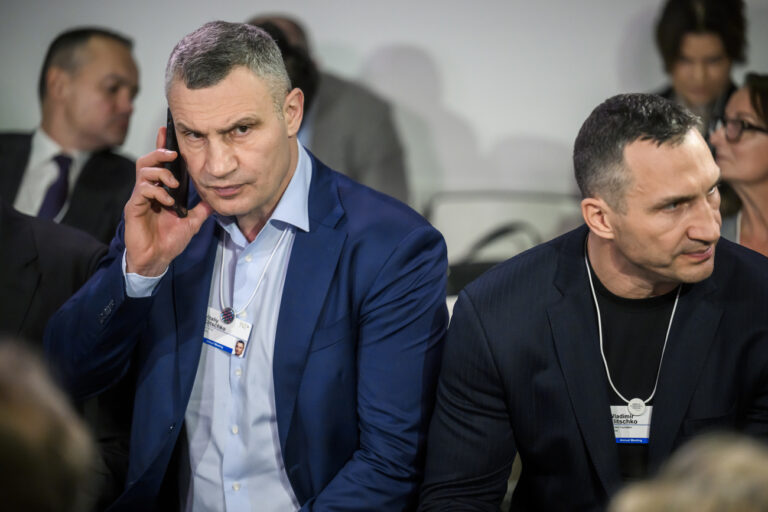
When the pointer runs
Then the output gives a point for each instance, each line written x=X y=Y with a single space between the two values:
x=713 y=473
x=45 y=450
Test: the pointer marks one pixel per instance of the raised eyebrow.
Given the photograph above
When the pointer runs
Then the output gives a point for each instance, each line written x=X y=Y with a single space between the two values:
x=683 y=199
x=676 y=199
x=246 y=121
x=184 y=128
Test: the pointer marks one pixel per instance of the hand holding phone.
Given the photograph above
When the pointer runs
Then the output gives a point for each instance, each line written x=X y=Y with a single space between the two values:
x=156 y=232
x=179 y=169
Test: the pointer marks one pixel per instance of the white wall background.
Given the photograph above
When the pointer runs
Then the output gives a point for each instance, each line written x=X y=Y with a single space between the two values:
x=487 y=94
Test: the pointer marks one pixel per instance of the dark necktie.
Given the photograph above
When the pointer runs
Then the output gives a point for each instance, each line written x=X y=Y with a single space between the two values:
x=57 y=193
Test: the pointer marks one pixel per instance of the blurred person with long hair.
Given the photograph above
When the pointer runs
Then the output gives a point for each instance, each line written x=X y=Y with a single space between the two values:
x=741 y=143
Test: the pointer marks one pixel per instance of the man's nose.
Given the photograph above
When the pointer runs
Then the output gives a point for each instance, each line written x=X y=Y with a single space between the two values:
x=705 y=225
x=125 y=102
x=221 y=159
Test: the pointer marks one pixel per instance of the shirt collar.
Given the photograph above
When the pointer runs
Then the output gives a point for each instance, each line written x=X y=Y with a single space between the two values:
x=293 y=207
x=44 y=148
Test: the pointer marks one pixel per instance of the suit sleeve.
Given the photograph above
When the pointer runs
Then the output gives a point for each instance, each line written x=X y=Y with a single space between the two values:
x=90 y=339
x=402 y=325
x=471 y=448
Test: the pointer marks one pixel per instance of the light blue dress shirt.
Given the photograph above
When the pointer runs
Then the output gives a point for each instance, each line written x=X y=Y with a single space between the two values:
x=234 y=456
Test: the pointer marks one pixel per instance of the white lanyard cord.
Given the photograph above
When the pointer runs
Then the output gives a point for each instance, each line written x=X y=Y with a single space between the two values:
x=600 y=331
x=258 y=283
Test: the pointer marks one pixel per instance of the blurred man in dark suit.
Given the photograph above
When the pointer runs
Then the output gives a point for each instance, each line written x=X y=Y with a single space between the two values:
x=42 y=264
x=66 y=170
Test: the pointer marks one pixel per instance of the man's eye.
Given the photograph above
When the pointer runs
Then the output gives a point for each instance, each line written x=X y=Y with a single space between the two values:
x=671 y=206
x=242 y=130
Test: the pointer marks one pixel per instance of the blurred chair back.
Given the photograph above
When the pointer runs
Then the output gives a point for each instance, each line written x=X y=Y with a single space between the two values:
x=485 y=227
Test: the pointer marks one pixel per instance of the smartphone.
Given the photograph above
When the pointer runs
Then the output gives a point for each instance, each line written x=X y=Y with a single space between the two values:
x=179 y=169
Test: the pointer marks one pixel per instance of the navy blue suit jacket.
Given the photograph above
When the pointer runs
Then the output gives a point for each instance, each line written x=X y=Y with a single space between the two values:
x=357 y=349
x=522 y=373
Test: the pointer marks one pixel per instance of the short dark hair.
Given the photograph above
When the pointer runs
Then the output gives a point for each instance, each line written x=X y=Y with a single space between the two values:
x=757 y=85
x=62 y=52
x=724 y=18
x=598 y=153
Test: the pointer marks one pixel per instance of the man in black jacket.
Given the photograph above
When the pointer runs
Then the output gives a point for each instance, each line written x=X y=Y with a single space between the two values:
x=66 y=170
x=595 y=355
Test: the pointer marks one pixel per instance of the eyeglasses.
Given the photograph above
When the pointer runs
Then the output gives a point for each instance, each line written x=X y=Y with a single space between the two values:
x=735 y=127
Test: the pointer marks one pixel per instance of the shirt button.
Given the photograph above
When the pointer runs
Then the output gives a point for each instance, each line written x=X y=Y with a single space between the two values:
x=238 y=372
x=236 y=486
x=248 y=258
x=235 y=430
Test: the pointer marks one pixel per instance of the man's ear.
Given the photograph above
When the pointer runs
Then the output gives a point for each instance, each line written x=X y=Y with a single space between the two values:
x=293 y=111
x=597 y=215
x=57 y=82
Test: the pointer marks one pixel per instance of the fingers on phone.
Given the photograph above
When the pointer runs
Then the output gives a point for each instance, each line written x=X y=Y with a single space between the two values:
x=156 y=157
x=151 y=192
x=150 y=181
x=160 y=139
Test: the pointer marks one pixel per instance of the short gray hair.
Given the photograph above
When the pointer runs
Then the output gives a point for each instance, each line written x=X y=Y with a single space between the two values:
x=207 y=55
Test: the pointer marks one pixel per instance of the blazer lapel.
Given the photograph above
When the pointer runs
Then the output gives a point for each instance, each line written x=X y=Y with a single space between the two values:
x=21 y=275
x=14 y=154
x=312 y=265
x=693 y=331
x=192 y=272
x=574 y=328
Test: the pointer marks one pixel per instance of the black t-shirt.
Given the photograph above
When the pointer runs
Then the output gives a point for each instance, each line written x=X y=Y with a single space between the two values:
x=633 y=340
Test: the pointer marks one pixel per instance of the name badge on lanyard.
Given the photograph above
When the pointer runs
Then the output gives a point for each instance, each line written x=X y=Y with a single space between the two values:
x=231 y=338
x=631 y=429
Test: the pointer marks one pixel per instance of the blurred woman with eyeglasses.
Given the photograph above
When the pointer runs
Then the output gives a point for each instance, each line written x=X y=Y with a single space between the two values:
x=740 y=138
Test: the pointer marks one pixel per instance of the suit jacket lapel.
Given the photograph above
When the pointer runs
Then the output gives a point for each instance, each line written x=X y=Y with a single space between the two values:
x=574 y=328
x=21 y=273
x=192 y=272
x=693 y=331
x=13 y=162
x=311 y=268
x=93 y=193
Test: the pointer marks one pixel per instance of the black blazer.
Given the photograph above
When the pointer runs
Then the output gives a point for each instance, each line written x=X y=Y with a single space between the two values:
x=97 y=201
x=522 y=373
x=42 y=264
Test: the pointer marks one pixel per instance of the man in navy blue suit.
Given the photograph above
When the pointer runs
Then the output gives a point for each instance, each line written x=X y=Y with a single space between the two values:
x=335 y=291
x=593 y=356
